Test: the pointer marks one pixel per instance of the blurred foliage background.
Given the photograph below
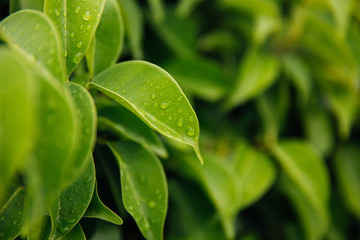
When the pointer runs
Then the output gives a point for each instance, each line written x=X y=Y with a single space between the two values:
x=275 y=85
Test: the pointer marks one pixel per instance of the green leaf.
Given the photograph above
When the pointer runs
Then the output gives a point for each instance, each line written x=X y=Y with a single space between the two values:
x=42 y=44
x=134 y=22
x=257 y=72
x=97 y=209
x=86 y=112
x=17 y=115
x=203 y=78
x=108 y=39
x=11 y=214
x=72 y=203
x=309 y=187
x=256 y=171
x=299 y=73
x=120 y=121
x=144 y=187
x=185 y=7
x=106 y=230
x=76 y=21
x=58 y=141
x=341 y=11
x=347 y=169
x=154 y=96
x=253 y=7
x=157 y=9
x=75 y=234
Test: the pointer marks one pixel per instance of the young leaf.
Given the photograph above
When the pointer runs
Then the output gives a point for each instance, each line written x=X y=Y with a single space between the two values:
x=72 y=203
x=76 y=21
x=86 y=112
x=97 y=209
x=17 y=115
x=144 y=187
x=134 y=22
x=257 y=72
x=308 y=175
x=347 y=169
x=122 y=122
x=154 y=96
x=75 y=234
x=108 y=40
x=157 y=9
x=42 y=44
x=11 y=214
x=58 y=141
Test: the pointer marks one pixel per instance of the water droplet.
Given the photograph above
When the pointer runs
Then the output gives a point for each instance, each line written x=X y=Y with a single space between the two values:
x=191 y=131
x=64 y=13
x=88 y=179
x=37 y=26
x=82 y=26
x=170 y=118
x=77 y=57
x=62 y=229
x=77 y=10
x=179 y=98
x=70 y=220
x=88 y=27
x=191 y=119
x=153 y=96
x=65 y=53
x=164 y=105
x=156 y=104
x=79 y=44
x=131 y=208
x=151 y=204
x=146 y=225
x=123 y=91
x=57 y=13
x=4 y=27
x=180 y=110
x=86 y=16
x=2 y=218
x=72 y=34
x=180 y=122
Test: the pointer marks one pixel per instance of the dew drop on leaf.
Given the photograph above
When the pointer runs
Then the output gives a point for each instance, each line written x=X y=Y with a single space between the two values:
x=79 y=44
x=86 y=16
x=164 y=105
x=153 y=96
x=72 y=34
x=77 y=10
x=151 y=204
x=191 y=132
x=57 y=13
x=180 y=122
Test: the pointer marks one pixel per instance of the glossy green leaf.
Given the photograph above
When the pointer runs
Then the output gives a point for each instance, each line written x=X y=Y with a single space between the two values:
x=72 y=203
x=97 y=209
x=122 y=122
x=11 y=214
x=310 y=182
x=42 y=44
x=144 y=187
x=17 y=115
x=86 y=112
x=40 y=230
x=58 y=141
x=347 y=169
x=134 y=22
x=106 y=230
x=257 y=72
x=203 y=78
x=75 y=234
x=154 y=96
x=256 y=171
x=76 y=20
x=108 y=39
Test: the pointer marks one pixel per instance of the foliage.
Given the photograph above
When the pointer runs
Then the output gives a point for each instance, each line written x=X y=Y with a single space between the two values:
x=85 y=114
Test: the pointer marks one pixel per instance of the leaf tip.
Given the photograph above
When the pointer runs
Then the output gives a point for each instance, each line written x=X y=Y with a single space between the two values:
x=198 y=154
